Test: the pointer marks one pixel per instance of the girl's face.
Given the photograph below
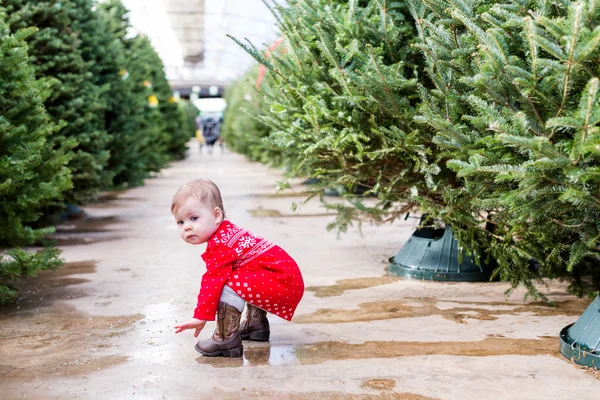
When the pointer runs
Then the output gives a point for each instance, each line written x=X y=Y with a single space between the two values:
x=197 y=222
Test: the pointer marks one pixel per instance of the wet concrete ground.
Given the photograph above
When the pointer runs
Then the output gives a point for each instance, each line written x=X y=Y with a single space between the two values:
x=102 y=326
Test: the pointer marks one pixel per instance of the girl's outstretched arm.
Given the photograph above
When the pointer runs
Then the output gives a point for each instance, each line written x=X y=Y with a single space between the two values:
x=193 y=323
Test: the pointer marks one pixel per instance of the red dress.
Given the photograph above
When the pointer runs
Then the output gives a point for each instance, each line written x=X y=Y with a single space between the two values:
x=259 y=271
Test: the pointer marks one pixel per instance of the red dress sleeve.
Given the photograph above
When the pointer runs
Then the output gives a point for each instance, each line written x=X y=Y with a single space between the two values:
x=219 y=260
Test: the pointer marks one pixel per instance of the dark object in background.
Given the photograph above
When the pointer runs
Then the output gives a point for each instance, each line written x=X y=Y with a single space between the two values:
x=210 y=126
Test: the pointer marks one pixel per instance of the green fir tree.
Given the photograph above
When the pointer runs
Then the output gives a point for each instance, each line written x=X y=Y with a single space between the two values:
x=138 y=144
x=243 y=132
x=516 y=112
x=155 y=143
x=491 y=129
x=153 y=72
x=33 y=175
x=190 y=112
x=340 y=103
x=122 y=117
x=55 y=51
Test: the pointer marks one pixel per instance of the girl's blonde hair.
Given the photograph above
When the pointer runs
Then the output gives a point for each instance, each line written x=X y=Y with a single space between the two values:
x=203 y=190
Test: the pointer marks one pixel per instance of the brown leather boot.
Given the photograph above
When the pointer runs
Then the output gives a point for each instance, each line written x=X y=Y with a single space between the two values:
x=226 y=341
x=256 y=325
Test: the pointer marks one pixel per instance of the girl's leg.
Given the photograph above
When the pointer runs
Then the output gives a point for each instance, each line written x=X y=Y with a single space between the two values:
x=226 y=340
x=229 y=296
x=256 y=326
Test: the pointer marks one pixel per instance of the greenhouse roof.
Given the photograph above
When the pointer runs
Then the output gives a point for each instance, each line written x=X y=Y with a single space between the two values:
x=190 y=36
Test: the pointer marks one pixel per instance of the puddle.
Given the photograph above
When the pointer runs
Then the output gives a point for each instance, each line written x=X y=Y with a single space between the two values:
x=423 y=307
x=380 y=384
x=110 y=196
x=87 y=225
x=42 y=337
x=76 y=241
x=317 y=353
x=267 y=394
x=57 y=341
x=337 y=396
x=85 y=231
x=72 y=268
x=254 y=356
x=48 y=287
x=107 y=197
x=350 y=284
x=263 y=213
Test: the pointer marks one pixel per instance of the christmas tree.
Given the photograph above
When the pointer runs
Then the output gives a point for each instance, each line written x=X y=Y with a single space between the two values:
x=340 y=103
x=33 y=175
x=242 y=130
x=190 y=112
x=74 y=98
x=155 y=143
x=138 y=145
x=516 y=114
x=151 y=71
x=100 y=50
x=484 y=115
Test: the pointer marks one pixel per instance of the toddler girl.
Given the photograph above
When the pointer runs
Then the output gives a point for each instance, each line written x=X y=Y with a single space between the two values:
x=240 y=268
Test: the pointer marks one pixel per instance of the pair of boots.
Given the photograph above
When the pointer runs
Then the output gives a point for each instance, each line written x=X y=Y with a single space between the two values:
x=227 y=338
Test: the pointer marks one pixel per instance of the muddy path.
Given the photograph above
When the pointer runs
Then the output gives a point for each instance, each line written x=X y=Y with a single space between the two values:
x=101 y=327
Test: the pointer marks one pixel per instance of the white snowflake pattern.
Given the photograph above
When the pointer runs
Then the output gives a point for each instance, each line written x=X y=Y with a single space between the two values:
x=226 y=234
x=246 y=242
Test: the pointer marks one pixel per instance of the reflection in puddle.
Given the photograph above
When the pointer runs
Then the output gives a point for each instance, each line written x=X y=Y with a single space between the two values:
x=316 y=353
x=271 y=355
x=255 y=356
x=282 y=355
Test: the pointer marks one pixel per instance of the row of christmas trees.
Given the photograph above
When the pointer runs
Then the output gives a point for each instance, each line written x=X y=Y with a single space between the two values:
x=83 y=107
x=483 y=114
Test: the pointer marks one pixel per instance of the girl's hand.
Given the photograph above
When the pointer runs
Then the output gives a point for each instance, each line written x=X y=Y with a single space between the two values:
x=193 y=323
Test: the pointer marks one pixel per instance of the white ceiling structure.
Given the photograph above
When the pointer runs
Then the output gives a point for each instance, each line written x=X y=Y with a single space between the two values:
x=190 y=36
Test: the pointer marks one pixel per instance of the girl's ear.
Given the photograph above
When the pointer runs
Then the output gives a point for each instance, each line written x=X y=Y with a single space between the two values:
x=218 y=213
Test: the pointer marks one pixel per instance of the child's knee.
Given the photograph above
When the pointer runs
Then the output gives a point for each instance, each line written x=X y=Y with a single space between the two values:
x=229 y=296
